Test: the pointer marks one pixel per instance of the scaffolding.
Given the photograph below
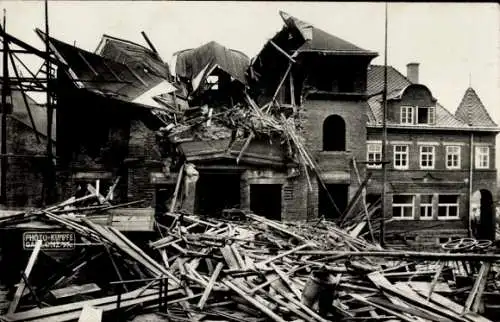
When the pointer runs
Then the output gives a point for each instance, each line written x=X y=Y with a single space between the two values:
x=14 y=52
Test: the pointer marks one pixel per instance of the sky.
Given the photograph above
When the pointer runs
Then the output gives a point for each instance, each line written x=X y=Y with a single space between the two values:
x=456 y=44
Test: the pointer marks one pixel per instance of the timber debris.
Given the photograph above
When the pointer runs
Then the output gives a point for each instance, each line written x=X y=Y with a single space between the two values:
x=245 y=267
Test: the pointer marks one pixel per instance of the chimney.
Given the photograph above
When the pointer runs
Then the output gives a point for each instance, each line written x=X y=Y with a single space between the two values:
x=412 y=72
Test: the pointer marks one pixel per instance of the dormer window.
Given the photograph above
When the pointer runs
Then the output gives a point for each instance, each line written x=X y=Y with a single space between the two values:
x=417 y=115
x=426 y=115
x=406 y=115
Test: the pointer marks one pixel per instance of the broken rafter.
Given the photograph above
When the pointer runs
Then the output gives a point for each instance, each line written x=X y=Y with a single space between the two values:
x=282 y=51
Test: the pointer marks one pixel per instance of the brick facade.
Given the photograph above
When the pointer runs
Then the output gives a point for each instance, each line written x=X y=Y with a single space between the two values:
x=25 y=172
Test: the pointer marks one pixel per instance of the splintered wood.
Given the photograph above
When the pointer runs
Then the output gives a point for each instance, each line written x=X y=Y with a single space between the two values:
x=248 y=268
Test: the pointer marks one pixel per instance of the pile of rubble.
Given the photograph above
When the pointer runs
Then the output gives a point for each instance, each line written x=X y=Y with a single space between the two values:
x=243 y=267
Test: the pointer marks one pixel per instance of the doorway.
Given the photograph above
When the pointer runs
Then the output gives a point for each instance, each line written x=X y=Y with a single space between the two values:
x=216 y=192
x=339 y=193
x=265 y=200
x=487 y=222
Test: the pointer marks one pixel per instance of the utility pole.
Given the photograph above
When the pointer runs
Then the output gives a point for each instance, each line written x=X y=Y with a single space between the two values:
x=50 y=167
x=5 y=93
x=384 y=140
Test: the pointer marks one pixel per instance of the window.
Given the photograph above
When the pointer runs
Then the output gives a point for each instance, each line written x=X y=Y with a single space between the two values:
x=448 y=207
x=453 y=157
x=426 y=115
x=374 y=154
x=334 y=133
x=426 y=207
x=402 y=206
x=482 y=157
x=426 y=157
x=406 y=115
x=400 y=157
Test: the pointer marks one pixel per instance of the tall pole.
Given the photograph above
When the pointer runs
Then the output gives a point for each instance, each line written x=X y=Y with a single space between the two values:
x=5 y=89
x=49 y=181
x=384 y=139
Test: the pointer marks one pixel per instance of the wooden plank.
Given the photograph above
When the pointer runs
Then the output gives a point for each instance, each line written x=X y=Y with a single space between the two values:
x=287 y=280
x=254 y=302
x=90 y=314
x=383 y=308
x=210 y=285
x=72 y=311
x=27 y=271
x=439 y=287
x=75 y=290
x=474 y=298
x=289 y=252
x=455 y=307
x=411 y=297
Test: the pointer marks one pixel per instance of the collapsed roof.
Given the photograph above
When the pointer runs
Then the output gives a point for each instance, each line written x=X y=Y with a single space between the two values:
x=106 y=76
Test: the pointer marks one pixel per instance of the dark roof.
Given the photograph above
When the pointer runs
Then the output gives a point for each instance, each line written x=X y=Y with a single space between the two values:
x=396 y=82
x=375 y=82
x=103 y=75
x=134 y=55
x=472 y=111
x=191 y=62
x=319 y=40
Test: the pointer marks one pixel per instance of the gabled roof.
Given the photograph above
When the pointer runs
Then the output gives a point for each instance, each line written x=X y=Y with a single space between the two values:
x=396 y=82
x=319 y=40
x=472 y=111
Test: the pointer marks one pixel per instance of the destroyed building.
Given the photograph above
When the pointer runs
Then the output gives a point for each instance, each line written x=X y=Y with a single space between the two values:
x=291 y=134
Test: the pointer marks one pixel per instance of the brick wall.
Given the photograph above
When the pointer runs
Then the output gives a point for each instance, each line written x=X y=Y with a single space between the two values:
x=24 y=174
x=142 y=145
x=439 y=180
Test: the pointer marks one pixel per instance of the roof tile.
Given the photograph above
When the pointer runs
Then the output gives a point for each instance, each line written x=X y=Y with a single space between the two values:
x=472 y=111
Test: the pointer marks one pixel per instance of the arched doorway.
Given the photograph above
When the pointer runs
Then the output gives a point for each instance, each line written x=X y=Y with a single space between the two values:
x=334 y=133
x=483 y=215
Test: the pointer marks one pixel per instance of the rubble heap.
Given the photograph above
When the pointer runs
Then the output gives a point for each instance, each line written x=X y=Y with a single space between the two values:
x=244 y=267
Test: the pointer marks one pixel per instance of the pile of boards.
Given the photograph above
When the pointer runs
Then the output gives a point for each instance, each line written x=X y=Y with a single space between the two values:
x=243 y=267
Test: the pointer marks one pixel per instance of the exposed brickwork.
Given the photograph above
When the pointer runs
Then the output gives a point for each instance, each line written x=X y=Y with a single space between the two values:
x=142 y=145
x=24 y=174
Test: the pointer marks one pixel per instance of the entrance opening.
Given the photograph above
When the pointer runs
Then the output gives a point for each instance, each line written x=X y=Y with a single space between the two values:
x=334 y=133
x=216 y=192
x=163 y=198
x=265 y=200
x=483 y=215
x=339 y=193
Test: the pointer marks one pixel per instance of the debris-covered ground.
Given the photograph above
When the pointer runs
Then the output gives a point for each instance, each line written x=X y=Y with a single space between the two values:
x=240 y=267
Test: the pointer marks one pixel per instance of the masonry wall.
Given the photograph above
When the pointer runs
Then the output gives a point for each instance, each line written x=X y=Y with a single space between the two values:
x=25 y=175
x=336 y=166
x=145 y=159
x=427 y=234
